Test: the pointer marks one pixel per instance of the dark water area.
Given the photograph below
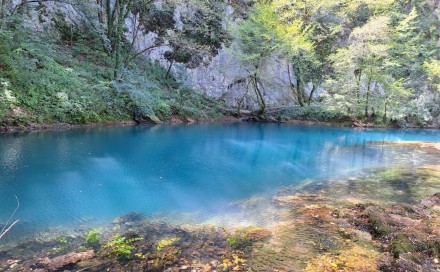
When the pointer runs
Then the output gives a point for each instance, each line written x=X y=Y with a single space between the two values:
x=93 y=175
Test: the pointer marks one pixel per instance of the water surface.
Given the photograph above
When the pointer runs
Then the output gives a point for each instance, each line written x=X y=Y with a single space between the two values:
x=65 y=177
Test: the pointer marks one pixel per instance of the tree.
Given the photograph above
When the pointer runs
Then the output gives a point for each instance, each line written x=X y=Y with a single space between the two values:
x=433 y=69
x=116 y=13
x=364 y=61
x=303 y=63
x=3 y=9
x=257 y=39
x=274 y=34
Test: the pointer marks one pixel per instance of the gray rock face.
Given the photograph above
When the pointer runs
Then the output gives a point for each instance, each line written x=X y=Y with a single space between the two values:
x=227 y=77
x=40 y=15
x=222 y=75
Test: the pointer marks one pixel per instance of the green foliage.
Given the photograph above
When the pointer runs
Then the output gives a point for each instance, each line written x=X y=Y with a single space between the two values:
x=201 y=35
x=190 y=104
x=391 y=175
x=62 y=245
x=163 y=110
x=93 y=237
x=239 y=239
x=245 y=236
x=314 y=113
x=401 y=245
x=375 y=60
x=371 y=57
x=6 y=97
x=50 y=82
x=66 y=76
x=433 y=69
x=62 y=240
x=259 y=29
x=205 y=25
x=166 y=243
x=404 y=243
x=121 y=247
x=157 y=19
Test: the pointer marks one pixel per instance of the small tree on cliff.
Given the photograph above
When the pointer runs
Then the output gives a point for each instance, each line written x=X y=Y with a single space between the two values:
x=265 y=33
x=256 y=40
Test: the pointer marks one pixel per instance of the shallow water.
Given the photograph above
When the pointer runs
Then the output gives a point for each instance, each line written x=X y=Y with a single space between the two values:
x=94 y=175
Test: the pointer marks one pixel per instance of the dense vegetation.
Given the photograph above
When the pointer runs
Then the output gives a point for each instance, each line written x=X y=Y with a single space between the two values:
x=88 y=71
x=375 y=61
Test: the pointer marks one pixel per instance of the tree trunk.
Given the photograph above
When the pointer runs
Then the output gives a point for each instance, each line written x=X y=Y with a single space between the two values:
x=295 y=88
x=110 y=19
x=259 y=95
x=169 y=69
x=241 y=100
x=299 y=92
x=118 y=37
x=311 y=93
x=3 y=10
x=358 y=76
x=100 y=14
x=300 y=87
x=367 y=96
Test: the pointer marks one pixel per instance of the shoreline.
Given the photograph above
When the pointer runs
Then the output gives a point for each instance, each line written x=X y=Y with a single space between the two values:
x=175 y=120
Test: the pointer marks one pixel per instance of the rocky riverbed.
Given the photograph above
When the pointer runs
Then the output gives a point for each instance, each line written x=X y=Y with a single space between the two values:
x=381 y=220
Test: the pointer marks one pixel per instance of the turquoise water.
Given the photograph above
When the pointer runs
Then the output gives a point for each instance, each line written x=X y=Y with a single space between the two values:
x=65 y=177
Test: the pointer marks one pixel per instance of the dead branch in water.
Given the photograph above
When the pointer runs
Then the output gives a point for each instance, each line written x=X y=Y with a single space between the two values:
x=7 y=227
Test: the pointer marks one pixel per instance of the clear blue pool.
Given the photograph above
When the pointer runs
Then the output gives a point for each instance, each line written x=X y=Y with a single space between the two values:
x=62 y=177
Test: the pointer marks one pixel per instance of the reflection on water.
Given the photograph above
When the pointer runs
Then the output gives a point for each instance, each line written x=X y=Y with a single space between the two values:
x=62 y=178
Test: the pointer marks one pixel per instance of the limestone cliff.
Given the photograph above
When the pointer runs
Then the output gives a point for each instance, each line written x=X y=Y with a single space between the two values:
x=193 y=41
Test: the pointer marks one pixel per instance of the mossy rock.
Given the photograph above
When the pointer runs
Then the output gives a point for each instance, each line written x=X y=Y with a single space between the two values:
x=245 y=237
x=395 y=175
x=402 y=244
x=378 y=223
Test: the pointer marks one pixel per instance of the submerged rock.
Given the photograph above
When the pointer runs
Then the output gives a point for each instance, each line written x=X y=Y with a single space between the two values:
x=61 y=262
x=129 y=218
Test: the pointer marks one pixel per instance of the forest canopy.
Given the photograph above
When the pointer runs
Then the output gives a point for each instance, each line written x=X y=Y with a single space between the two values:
x=373 y=61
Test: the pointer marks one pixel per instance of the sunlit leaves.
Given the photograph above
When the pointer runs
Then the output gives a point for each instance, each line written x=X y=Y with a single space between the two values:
x=376 y=6
x=265 y=28
x=371 y=40
x=433 y=69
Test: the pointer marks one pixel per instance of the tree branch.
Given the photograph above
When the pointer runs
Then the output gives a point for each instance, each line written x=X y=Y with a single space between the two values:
x=6 y=228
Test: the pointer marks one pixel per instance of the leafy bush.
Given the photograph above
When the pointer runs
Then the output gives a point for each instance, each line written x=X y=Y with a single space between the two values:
x=48 y=81
x=163 y=110
x=313 y=113
x=66 y=76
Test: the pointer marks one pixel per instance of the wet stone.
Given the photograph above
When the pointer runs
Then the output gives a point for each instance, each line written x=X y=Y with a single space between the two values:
x=129 y=218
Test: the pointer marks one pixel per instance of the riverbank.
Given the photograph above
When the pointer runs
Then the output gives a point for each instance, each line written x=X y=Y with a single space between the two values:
x=175 y=120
